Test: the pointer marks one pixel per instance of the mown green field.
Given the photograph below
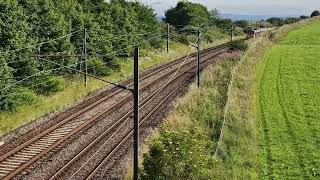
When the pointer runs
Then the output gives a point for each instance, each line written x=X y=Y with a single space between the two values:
x=289 y=107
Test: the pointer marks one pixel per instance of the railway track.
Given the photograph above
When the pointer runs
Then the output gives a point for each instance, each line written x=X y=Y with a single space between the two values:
x=87 y=105
x=24 y=155
x=120 y=132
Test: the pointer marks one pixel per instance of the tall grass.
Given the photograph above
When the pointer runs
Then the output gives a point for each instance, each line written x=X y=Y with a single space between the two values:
x=185 y=145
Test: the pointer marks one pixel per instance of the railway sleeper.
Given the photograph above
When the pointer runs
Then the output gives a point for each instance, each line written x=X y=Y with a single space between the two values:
x=7 y=168
x=73 y=124
x=33 y=148
x=55 y=138
x=57 y=135
x=65 y=129
x=20 y=157
x=12 y=163
x=40 y=145
x=30 y=150
x=47 y=140
x=4 y=172
x=26 y=153
x=13 y=167
x=17 y=161
x=58 y=132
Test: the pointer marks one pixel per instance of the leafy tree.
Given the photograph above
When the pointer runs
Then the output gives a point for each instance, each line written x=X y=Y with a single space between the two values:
x=304 y=17
x=224 y=23
x=276 y=21
x=242 y=23
x=315 y=13
x=187 y=13
x=291 y=20
x=25 y=24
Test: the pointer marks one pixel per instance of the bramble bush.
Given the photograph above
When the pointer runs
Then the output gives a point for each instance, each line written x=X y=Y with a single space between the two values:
x=98 y=67
x=49 y=85
x=11 y=100
x=239 y=45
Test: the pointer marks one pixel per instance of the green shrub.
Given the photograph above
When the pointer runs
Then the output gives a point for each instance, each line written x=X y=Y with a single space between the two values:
x=49 y=85
x=98 y=67
x=11 y=100
x=239 y=45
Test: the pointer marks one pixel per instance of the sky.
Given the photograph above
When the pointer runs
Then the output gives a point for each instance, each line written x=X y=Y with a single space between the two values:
x=247 y=7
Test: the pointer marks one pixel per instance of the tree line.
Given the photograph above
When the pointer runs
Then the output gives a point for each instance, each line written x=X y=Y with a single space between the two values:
x=26 y=23
x=111 y=26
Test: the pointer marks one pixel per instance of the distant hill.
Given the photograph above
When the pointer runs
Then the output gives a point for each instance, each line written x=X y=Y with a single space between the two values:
x=251 y=17
x=242 y=17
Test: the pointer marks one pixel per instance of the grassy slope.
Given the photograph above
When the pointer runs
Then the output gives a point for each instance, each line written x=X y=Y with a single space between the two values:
x=242 y=143
x=289 y=106
x=185 y=145
x=74 y=90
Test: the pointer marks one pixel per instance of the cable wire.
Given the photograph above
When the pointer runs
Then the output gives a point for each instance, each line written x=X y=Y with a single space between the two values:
x=42 y=43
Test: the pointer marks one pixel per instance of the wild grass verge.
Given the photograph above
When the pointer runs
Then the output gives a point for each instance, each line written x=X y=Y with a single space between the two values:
x=185 y=145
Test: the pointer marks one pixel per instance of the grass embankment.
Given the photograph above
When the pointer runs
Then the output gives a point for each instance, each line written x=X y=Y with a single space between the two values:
x=185 y=147
x=74 y=90
x=289 y=106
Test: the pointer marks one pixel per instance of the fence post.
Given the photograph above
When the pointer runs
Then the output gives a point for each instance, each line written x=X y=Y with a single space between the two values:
x=168 y=36
x=136 y=115
x=232 y=32
x=198 y=59
x=85 y=57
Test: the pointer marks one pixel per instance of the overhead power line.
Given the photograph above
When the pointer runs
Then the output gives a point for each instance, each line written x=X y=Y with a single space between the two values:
x=42 y=43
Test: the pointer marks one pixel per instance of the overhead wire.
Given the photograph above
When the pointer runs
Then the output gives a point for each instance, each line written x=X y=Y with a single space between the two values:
x=43 y=71
x=42 y=43
x=28 y=77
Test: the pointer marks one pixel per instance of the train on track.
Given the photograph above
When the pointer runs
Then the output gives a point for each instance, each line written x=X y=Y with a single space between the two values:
x=253 y=33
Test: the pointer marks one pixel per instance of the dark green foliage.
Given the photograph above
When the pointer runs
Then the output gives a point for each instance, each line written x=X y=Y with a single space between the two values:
x=15 y=97
x=188 y=13
x=48 y=85
x=304 y=17
x=315 y=13
x=276 y=21
x=280 y=22
x=24 y=24
x=242 y=23
x=98 y=67
x=224 y=23
x=291 y=20
x=239 y=45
